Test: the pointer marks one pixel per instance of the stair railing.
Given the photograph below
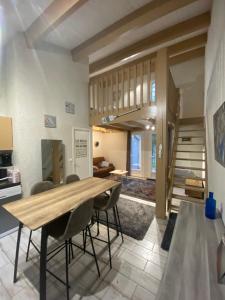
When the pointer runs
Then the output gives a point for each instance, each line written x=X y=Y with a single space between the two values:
x=173 y=159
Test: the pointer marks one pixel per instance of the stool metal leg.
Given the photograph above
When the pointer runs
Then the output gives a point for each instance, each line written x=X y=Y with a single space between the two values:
x=116 y=221
x=28 y=246
x=121 y=231
x=109 y=242
x=97 y=223
x=93 y=249
x=67 y=249
x=85 y=239
x=17 y=252
x=43 y=263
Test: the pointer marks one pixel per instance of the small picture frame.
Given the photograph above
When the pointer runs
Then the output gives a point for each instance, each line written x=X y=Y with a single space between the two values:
x=50 y=121
x=70 y=108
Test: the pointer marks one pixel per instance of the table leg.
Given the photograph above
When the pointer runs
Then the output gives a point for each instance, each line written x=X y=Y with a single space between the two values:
x=43 y=262
x=17 y=252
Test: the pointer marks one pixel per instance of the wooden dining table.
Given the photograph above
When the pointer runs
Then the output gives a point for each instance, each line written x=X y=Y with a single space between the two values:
x=39 y=210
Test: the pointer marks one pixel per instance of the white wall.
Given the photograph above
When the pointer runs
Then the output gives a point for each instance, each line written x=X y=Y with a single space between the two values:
x=189 y=78
x=215 y=95
x=38 y=83
x=98 y=136
x=113 y=146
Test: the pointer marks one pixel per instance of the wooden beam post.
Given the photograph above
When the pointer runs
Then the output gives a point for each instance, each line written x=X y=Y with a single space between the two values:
x=162 y=75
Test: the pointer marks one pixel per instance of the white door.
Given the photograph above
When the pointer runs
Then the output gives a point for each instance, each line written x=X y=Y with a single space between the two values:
x=82 y=165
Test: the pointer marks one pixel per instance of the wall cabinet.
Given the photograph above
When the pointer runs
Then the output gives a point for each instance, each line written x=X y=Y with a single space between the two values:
x=6 y=134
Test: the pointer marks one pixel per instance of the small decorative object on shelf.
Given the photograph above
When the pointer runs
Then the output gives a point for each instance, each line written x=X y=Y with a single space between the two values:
x=210 y=207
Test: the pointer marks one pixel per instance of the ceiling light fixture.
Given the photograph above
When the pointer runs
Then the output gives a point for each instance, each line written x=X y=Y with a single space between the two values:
x=153 y=128
x=147 y=127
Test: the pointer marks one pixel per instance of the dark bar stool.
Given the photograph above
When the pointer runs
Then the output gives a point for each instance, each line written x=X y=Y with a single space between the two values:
x=70 y=179
x=104 y=202
x=38 y=188
x=66 y=227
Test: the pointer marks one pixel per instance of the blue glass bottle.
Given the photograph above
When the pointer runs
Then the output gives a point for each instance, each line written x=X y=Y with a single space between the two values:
x=210 y=207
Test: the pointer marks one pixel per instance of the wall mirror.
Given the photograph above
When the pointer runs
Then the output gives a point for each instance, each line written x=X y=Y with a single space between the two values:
x=52 y=160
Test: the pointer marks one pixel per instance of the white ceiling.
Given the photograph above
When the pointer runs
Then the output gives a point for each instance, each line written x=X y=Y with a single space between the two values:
x=91 y=18
x=18 y=15
x=171 y=19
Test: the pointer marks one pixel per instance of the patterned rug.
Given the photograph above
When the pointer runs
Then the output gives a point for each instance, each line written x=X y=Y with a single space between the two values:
x=139 y=188
x=135 y=218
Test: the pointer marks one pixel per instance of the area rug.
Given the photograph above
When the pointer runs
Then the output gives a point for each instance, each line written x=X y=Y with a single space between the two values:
x=143 y=189
x=135 y=217
x=167 y=238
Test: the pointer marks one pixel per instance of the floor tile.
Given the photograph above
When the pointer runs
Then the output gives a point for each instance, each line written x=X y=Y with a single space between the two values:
x=121 y=283
x=142 y=294
x=133 y=259
x=155 y=270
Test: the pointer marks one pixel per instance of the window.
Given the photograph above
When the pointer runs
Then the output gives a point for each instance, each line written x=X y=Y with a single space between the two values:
x=153 y=91
x=135 y=152
x=153 y=152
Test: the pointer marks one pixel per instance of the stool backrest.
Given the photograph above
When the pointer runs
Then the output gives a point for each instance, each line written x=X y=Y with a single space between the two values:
x=78 y=219
x=114 y=196
x=72 y=178
x=41 y=187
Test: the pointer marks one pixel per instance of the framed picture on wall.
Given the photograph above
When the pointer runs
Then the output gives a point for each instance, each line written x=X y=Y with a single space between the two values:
x=219 y=134
x=50 y=121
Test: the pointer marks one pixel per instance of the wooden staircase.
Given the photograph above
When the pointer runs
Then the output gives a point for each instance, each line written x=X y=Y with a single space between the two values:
x=188 y=169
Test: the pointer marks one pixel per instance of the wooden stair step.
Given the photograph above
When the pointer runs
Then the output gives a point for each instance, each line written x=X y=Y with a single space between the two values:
x=189 y=168
x=191 y=137
x=188 y=199
x=190 y=151
x=190 y=130
x=189 y=187
x=193 y=178
x=189 y=159
x=189 y=144
x=174 y=207
x=191 y=121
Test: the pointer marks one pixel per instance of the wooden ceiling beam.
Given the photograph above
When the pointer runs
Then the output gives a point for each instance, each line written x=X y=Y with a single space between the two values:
x=176 y=31
x=198 y=41
x=180 y=58
x=187 y=45
x=140 y=17
x=53 y=15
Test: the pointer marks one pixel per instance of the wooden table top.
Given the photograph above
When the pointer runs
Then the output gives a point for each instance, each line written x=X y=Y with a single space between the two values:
x=40 y=209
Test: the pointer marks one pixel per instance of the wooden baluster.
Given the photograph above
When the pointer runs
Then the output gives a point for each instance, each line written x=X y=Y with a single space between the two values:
x=122 y=89
x=98 y=96
x=141 y=84
x=135 y=85
x=111 y=92
x=128 y=87
x=148 y=82
x=117 y=91
x=106 y=95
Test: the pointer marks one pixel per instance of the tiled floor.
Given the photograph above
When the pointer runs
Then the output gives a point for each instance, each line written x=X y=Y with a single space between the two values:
x=137 y=269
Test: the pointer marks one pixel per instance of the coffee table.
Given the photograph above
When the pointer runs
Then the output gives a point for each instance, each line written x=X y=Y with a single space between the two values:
x=118 y=174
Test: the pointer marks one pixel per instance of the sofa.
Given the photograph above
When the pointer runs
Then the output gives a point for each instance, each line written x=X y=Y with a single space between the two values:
x=99 y=170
